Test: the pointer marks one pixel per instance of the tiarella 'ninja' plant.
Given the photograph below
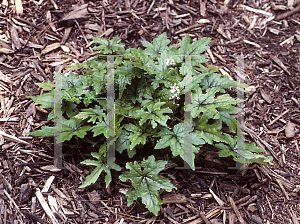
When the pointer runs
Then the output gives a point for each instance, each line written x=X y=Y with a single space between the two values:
x=149 y=109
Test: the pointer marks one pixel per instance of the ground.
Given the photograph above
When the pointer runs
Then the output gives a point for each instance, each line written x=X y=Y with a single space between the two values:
x=265 y=33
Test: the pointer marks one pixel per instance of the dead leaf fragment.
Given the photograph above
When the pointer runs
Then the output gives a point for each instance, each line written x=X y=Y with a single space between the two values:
x=50 y=48
x=78 y=13
x=15 y=38
x=221 y=30
x=290 y=130
x=252 y=207
x=266 y=96
x=5 y=51
x=19 y=7
x=4 y=78
x=277 y=7
x=204 y=21
x=50 y=168
x=278 y=62
x=173 y=198
x=5 y=3
x=250 y=90
x=31 y=110
x=65 y=48
x=272 y=30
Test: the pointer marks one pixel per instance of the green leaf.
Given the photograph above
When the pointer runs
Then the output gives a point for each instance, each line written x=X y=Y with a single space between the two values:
x=123 y=107
x=199 y=46
x=92 y=114
x=217 y=81
x=245 y=156
x=100 y=166
x=242 y=152
x=126 y=73
x=109 y=46
x=69 y=128
x=258 y=158
x=123 y=143
x=72 y=87
x=195 y=49
x=141 y=60
x=228 y=149
x=46 y=86
x=44 y=132
x=135 y=91
x=208 y=103
x=185 y=45
x=69 y=107
x=162 y=63
x=73 y=127
x=154 y=114
x=145 y=111
x=100 y=128
x=159 y=45
x=197 y=77
x=51 y=116
x=253 y=147
x=166 y=77
x=210 y=133
x=45 y=101
x=146 y=181
x=97 y=77
x=204 y=103
x=175 y=139
x=225 y=151
x=226 y=116
x=139 y=135
x=103 y=128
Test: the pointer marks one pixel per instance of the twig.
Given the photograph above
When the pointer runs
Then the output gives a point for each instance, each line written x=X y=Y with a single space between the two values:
x=219 y=201
x=34 y=217
x=270 y=206
x=81 y=31
x=54 y=4
x=238 y=214
x=259 y=141
x=39 y=27
x=204 y=218
x=257 y=10
x=252 y=199
x=283 y=189
x=277 y=118
x=13 y=202
x=286 y=14
x=13 y=138
x=294 y=217
x=278 y=62
x=150 y=7
x=45 y=206
x=176 y=118
x=169 y=218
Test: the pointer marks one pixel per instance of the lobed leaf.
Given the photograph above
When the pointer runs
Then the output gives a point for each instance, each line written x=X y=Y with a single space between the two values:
x=146 y=181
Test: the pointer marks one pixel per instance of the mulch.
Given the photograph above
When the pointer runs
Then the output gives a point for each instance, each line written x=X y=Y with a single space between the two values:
x=34 y=34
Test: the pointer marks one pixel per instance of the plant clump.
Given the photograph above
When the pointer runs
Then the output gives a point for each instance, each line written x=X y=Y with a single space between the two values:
x=149 y=108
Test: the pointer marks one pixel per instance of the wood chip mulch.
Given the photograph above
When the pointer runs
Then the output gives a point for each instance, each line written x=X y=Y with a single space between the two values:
x=267 y=35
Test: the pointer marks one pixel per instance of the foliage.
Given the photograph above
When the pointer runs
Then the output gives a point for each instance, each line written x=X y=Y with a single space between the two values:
x=149 y=109
x=144 y=178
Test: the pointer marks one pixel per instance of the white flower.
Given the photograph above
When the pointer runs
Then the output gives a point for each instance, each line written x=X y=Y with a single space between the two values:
x=170 y=61
x=175 y=90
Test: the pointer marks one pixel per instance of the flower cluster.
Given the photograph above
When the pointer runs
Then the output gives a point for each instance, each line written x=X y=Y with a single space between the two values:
x=170 y=61
x=175 y=90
